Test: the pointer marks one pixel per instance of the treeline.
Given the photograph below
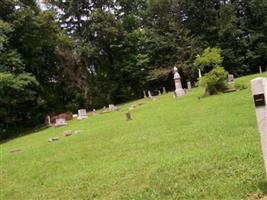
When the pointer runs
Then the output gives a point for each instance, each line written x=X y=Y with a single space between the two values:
x=89 y=53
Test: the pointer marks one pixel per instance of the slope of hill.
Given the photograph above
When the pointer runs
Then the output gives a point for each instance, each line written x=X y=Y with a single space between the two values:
x=172 y=149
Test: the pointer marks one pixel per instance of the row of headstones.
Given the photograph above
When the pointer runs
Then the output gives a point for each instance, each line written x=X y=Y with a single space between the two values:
x=149 y=94
x=82 y=114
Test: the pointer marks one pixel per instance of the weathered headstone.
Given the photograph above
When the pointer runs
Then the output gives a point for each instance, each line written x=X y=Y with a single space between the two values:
x=67 y=133
x=53 y=139
x=260 y=69
x=150 y=95
x=259 y=93
x=159 y=93
x=144 y=92
x=60 y=122
x=128 y=116
x=94 y=112
x=231 y=78
x=164 y=90
x=82 y=114
x=111 y=107
x=48 y=120
x=189 y=86
x=179 y=91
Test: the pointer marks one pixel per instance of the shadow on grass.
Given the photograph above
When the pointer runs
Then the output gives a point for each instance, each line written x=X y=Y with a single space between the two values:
x=263 y=188
x=24 y=133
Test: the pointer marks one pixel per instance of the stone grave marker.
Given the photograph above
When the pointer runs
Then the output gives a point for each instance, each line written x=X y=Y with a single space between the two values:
x=189 y=86
x=128 y=116
x=231 y=78
x=82 y=114
x=60 y=122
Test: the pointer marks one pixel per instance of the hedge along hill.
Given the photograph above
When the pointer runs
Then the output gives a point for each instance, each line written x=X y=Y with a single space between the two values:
x=172 y=149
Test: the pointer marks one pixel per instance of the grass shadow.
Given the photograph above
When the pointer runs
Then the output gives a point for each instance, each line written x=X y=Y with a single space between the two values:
x=24 y=133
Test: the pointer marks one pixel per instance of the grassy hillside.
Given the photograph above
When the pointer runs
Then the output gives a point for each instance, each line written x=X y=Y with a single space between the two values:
x=172 y=149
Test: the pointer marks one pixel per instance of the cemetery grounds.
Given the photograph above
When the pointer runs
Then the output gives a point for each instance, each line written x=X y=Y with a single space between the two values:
x=186 y=148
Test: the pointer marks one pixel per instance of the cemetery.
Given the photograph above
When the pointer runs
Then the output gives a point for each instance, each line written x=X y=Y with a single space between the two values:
x=133 y=99
x=170 y=148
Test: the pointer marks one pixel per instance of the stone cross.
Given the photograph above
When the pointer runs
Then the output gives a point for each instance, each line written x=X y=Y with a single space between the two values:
x=179 y=91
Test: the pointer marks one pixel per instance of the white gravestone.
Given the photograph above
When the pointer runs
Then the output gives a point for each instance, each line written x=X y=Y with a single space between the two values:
x=150 y=95
x=260 y=69
x=199 y=74
x=48 y=120
x=231 y=78
x=111 y=107
x=94 y=112
x=82 y=114
x=60 y=122
x=144 y=92
x=164 y=90
x=179 y=91
x=189 y=86
x=259 y=92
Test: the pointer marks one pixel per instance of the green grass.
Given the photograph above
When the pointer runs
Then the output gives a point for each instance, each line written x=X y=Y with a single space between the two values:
x=173 y=149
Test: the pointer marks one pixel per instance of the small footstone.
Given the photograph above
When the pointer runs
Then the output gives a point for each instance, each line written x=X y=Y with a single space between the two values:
x=53 y=139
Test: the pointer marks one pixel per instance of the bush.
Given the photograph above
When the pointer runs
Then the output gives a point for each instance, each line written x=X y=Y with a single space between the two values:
x=215 y=81
x=240 y=86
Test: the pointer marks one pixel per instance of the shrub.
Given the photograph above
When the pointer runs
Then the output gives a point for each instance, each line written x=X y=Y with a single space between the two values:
x=240 y=86
x=215 y=81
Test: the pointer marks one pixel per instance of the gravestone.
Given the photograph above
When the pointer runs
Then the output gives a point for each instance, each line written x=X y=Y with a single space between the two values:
x=60 y=122
x=259 y=94
x=164 y=90
x=260 y=69
x=144 y=92
x=159 y=93
x=128 y=116
x=53 y=139
x=48 y=120
x=231 y=78
x=94 y=112
x=82 y=114
x=199 y=74
x=189 y=86
x=150 y=95
x=179 y=91
x=67 y=133
x=111 y=107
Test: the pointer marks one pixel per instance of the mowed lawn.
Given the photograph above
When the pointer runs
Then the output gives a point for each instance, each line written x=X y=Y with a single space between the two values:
x=172 y=149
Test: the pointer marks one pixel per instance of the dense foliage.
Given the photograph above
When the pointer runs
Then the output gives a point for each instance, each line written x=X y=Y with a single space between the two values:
x=88 y=54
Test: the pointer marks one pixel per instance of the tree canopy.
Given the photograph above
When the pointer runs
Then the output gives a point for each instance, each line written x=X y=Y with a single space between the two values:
x=87 y=54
